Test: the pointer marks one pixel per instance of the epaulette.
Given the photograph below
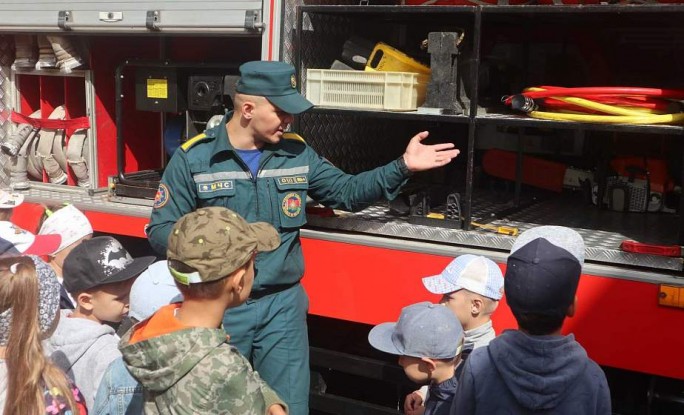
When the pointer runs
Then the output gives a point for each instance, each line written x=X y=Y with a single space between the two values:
x=293 y=136
x=191 y=142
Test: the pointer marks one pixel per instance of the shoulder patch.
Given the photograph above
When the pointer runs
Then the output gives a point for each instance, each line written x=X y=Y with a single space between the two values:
x=191 y=142
x=293 y=136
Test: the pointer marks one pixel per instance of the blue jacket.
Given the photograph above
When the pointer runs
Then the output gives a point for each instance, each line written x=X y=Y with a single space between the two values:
x=206 y=171
x=119 y=393
x=522 y=374
x=440 y=398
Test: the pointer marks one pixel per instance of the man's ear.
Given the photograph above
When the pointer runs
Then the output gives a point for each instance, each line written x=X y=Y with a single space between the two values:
x=85 y=301
x=248 y=109
x=572 y=308
x=431 y=365
x=237 y=280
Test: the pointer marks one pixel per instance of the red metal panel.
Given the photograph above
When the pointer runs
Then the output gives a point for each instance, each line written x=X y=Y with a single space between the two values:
x=28 y=215
x=619 y=322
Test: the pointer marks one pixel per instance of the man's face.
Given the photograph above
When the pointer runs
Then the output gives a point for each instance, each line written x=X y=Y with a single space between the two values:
x=110 y=301
x=415 y=369
x=269 y=122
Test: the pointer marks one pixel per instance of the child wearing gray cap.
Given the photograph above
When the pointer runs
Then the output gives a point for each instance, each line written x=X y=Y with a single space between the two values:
x=536 y=369
x=429 y=340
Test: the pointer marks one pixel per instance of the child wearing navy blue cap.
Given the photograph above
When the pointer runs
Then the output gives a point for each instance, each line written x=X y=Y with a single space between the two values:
x=536 y=369
x=429 y=339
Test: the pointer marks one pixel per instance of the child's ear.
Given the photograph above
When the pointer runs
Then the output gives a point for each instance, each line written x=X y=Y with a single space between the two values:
x=85 y=301
x=476 y=305
x=431 y=365
x=237 y=280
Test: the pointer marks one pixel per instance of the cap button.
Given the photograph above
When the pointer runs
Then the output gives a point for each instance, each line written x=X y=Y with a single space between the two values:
x=228 y=228
x=201 y=212
x=536 y=261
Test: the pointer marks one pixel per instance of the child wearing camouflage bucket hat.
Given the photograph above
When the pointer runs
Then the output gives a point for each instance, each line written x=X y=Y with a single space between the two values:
x=181 y=354
x=29 y=306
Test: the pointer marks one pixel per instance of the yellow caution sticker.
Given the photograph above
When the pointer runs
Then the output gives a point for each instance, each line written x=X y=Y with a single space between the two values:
x=157 y=88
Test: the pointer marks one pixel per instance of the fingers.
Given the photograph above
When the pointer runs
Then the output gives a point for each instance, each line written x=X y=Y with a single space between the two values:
x=442 y=146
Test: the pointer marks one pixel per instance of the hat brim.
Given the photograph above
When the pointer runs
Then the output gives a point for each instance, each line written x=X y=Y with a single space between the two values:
x=437 y=284
x=380 y=337
x=266 y=235
x=44 y=245
x=133 y=270
x=13 y=200
x=292 y=103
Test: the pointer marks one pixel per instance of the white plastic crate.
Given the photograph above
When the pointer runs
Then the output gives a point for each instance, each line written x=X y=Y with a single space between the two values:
x=389 y=91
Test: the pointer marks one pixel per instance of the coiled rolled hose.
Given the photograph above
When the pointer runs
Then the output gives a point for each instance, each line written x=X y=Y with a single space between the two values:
x=612 y=105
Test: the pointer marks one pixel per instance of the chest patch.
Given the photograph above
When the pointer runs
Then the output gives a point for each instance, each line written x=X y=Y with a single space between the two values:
x=161 y=197
x=215 y=186
x=292 y=204
x=292 y=180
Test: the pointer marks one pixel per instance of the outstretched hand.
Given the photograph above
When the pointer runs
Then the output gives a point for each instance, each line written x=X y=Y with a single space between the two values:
x=419 y=157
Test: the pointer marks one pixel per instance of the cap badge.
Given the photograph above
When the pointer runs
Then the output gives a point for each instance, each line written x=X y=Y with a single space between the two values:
x=292 y=205
x=293 y=81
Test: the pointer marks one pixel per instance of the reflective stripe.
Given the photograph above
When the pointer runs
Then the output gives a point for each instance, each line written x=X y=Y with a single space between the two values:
x=222 y=175
x=284 y=172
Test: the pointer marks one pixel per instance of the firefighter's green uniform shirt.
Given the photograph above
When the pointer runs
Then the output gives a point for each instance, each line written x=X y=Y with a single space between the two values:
x=206 y=171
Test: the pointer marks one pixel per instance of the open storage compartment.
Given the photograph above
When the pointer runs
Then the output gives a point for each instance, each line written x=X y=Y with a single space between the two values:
x=517 y=172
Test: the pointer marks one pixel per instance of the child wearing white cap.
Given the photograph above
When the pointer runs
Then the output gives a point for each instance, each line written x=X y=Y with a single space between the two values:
x=471 y=287
x=73 y=226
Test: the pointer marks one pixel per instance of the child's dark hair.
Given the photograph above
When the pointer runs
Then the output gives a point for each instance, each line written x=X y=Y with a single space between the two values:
x=539 y=324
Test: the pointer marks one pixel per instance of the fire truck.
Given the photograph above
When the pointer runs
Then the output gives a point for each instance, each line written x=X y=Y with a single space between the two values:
x=94 y=97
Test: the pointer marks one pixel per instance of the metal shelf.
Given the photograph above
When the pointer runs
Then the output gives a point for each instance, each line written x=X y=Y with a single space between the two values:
x=403 y=116
x=523 y=121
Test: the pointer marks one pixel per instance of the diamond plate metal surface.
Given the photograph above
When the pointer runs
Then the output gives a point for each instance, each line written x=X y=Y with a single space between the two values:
x=99 y=202
x=601 y=238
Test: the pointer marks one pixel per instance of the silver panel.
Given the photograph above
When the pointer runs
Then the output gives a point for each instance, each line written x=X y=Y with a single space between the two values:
x=188 y=16
x=6 y=59
x=98 y=202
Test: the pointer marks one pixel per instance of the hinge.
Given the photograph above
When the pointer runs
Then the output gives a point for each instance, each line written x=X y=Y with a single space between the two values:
x=152 y=20
x=64 y=19
x=253 y=20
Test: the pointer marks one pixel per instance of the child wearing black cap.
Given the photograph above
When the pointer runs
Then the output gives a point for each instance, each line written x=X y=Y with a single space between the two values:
x=535 y=369
x=98 y=273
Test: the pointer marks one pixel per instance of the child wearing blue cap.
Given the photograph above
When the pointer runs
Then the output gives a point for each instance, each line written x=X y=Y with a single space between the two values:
x=536 y=369
x=429 y=340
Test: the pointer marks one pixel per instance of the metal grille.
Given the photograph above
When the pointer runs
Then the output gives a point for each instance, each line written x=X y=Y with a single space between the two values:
x=6 y=59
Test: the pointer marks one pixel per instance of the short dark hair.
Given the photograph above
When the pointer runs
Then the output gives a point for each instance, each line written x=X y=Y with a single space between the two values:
x=201 y=290
x=539 y=324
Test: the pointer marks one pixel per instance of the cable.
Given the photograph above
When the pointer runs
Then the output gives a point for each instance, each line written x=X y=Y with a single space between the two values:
x=610 y=105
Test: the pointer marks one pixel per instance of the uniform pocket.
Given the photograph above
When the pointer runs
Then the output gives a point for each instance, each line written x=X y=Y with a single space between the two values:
x=291 y=202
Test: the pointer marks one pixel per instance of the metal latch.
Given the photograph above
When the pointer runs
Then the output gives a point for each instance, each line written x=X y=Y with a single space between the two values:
x=111 y=17
x=152 y=20
x=64 y=19
x=253 y=20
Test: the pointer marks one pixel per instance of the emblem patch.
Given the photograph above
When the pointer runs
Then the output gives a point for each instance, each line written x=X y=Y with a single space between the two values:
x=161 y=197
x=292 y=205
x=214 y=186
x=293 y=81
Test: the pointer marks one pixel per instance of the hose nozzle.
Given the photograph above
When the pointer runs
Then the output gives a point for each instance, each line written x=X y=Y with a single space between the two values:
x=522 y=103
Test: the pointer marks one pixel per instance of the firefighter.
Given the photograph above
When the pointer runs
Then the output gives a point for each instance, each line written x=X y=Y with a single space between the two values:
x=251 y=165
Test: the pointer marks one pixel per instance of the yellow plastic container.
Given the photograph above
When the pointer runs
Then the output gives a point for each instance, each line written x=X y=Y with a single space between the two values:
x=386 y=91
x=385 y=58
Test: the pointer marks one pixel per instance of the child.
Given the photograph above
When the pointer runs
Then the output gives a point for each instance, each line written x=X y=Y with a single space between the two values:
x=535 y=369
x=73 y=226
x=429 y=339
x=119 y=393
x=15 y=241
x=98 y=273
x=29 y=303
x=181 y=355
x=471 y=287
